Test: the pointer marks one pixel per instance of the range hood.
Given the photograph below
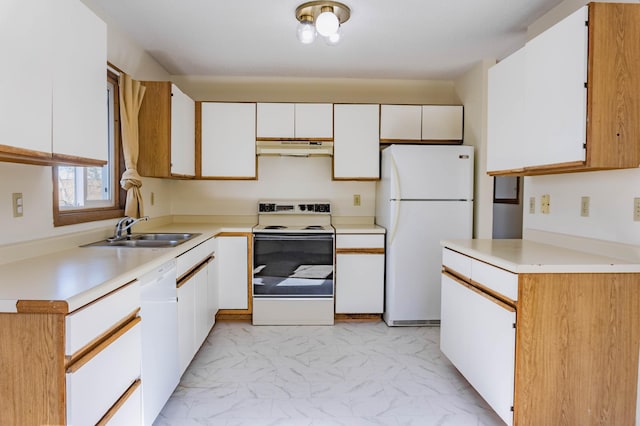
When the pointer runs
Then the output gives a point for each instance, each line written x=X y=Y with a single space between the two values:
x=294 y=148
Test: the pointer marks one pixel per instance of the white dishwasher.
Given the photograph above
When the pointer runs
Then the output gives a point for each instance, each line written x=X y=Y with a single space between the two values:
x=159 y=312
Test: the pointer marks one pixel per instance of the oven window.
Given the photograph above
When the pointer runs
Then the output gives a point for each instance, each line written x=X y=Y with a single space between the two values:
x=293 y=265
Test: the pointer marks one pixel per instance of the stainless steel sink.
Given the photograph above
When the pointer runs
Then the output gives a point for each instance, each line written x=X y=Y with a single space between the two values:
x=148 y=240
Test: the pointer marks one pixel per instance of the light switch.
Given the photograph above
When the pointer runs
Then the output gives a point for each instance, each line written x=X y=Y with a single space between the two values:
x=584 y=206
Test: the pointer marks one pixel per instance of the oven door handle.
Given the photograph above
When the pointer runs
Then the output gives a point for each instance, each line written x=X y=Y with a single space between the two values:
x=292 y=237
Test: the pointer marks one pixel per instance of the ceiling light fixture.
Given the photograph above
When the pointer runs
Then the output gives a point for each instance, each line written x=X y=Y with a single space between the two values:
x=327 y=16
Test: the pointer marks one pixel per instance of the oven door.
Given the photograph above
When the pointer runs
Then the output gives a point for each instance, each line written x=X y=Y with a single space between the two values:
x=292 y=265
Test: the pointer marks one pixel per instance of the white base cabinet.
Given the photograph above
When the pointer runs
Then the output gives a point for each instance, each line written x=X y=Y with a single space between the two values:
x=359 y=274
x=479 y=337
x=232 y=258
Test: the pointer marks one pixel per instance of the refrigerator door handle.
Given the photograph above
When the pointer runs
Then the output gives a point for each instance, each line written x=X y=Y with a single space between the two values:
x=396 y=212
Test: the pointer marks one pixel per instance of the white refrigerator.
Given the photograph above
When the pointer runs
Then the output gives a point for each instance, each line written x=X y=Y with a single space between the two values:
x=425 y=195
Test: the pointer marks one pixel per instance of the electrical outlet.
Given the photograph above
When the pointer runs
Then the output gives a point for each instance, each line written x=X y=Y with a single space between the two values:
x=18 y=207
x=545 y=204
x=584 y=206
x=356 y=200
x=636 y=209
x=532 y=205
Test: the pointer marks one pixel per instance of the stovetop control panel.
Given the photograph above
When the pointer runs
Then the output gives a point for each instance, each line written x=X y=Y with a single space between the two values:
x=294 y=207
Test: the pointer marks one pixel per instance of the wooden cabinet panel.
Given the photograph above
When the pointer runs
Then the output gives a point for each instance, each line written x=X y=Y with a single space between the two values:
x=356 y=147
x=228 y=144
x=442 y=122
x=79 y=82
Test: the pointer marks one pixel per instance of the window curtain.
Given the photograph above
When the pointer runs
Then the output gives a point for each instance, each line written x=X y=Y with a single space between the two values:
x=131 y=95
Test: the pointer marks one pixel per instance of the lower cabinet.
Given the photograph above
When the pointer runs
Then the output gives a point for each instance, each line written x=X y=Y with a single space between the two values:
x=233 y=270
x=359 y=274
x=544 y=348
x=77 y=367
x=479 y=337
x=193 y=326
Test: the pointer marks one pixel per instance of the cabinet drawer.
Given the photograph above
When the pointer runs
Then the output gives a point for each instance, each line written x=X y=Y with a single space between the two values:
x=191 y=258
x=96 y=381
x=359 y=241
x=129 y=413
x=91 y=321
x=457 y=262
x=496 y=279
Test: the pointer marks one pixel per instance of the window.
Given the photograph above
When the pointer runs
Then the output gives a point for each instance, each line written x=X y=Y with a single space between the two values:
x=84 y=194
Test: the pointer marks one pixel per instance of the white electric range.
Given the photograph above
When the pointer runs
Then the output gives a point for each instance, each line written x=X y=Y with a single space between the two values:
x=293 y=263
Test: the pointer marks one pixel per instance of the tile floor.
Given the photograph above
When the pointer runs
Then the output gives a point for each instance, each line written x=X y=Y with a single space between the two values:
x=349 y=374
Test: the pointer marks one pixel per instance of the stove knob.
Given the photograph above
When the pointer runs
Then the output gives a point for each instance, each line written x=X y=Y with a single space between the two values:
x=310 y=207
x=302 y=207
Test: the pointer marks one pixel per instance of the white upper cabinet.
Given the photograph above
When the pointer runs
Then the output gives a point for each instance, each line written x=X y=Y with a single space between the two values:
x=356 y=149
x=442 y=122
x=560 y=105
x=314 y=121
x=288 y=121
x=25 y=77
x=228 y=140
x=275 y=120
x=421 y=123
x=505 y=116
x=555 y=93
x=183 y=155
x=79 y=82
x=400 y=122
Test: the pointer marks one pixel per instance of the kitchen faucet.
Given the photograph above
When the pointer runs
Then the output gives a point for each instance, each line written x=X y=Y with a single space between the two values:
x=123 y=225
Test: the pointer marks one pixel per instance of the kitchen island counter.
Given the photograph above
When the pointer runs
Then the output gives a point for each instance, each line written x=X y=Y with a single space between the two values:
x=525 y=256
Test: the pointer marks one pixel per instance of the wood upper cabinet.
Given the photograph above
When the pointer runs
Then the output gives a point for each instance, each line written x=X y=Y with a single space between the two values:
x=417 y=123
x=356 y=146
x=53 y=94
x=227 y=140
x=79 y=83
x=290 y=121
x=167 y=132
x=579 y=97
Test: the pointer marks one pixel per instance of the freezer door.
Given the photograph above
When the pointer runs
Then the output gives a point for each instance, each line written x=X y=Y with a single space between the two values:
x=419 y=172
x=414 y=256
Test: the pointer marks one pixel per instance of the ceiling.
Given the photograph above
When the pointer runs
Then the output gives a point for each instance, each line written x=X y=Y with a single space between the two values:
x=396 y=39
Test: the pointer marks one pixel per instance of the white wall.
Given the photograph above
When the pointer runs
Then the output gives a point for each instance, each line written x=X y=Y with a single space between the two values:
x=278 y=178
x=611 y=211
x=472 y=89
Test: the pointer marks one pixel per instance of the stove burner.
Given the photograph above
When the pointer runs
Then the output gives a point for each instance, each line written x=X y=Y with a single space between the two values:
x=275 y=227
x=315 y=227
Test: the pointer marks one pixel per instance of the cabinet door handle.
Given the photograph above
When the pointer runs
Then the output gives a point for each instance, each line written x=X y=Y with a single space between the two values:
x=480 y=292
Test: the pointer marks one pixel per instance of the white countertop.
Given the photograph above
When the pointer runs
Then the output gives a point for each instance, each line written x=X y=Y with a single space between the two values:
x=83 y=274
x=359 y=229
x=524 y=256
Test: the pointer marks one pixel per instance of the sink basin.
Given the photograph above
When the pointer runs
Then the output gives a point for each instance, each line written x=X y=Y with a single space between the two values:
x=149 y=240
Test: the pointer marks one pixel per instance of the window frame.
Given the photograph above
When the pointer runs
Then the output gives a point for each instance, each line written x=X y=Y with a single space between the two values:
x=74 y=216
